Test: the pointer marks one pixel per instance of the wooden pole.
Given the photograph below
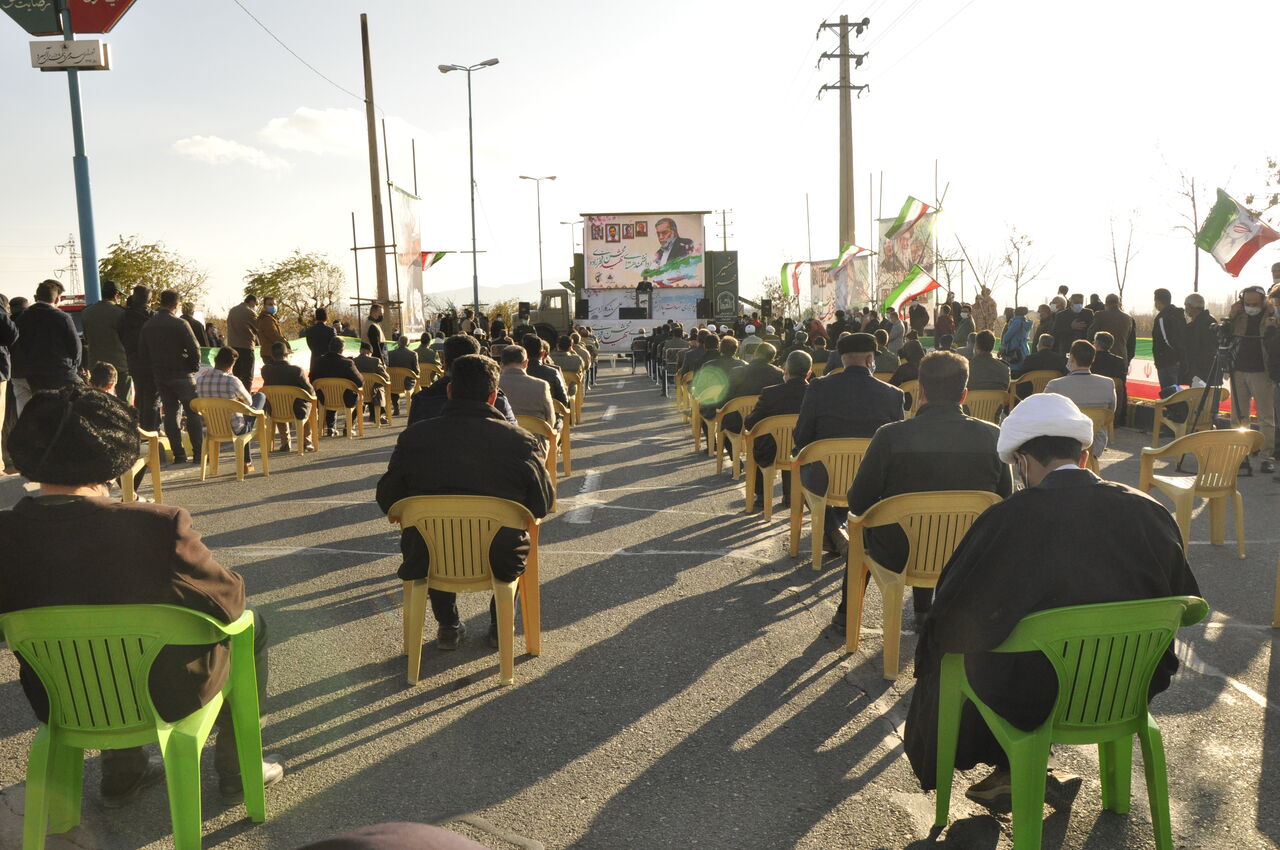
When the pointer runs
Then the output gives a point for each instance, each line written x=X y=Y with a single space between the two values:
x=375 y=191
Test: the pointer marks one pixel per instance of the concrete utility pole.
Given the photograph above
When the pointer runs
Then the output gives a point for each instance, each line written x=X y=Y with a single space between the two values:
x=847 y=217
x=379 y=235
x=724 y=229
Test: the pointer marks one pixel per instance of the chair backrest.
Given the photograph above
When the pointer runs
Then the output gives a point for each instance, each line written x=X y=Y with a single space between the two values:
x=882 y=376
x=428 y=372
x=1103 y=419
x=671 y=356
x=95 y=660
x=458 y=531
x=372 y=380
x=934 y=522
x=1191 y=397
x=572 y=380
x=781 y=428
x=742 y=405
x=401 y=377
x=331 y=392
x=561 y=410
x=835 y=371
x=819 y=367
x=1105 y=656
x=217 y=412
x=841 y=457
x=986 y=404
x=912 y=388
x=1037 y=378
x=281 y=398
x=1218 y=456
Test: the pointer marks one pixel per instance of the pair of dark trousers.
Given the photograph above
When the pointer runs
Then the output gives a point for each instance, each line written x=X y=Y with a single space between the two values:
x=444 y=607
x=178 y=393
x=244 y=367
x=121 y=768
x=145 y=396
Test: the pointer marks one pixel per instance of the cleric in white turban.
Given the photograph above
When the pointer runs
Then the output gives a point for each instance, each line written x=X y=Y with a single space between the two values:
x=1067 y=538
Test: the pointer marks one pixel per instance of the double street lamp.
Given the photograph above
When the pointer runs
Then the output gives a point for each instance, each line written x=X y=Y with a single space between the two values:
x=471 y=146
x=537 y=182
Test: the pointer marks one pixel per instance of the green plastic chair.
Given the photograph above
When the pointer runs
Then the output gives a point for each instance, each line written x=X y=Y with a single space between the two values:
x=1105 y=656
x=94 y=662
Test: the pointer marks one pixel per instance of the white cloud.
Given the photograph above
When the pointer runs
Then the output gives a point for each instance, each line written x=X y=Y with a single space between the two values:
x=216 y=150
x=321 y=131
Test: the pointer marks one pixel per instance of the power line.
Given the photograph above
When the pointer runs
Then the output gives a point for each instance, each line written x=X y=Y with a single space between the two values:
x=295 y=55
x=920 y=43
x=884 y=32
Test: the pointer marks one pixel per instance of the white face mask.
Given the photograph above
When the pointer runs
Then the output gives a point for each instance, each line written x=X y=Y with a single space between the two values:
x=1252 y=311
x=964 y=315
x=1053 y=308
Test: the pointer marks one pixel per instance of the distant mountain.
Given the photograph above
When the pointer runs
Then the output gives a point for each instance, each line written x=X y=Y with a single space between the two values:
x=491 y=294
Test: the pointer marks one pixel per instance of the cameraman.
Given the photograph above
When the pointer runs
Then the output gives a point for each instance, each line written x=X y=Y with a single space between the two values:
x=1253 y=319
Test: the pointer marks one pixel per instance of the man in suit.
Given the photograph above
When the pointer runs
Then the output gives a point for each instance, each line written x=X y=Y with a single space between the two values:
x=242 y=335
x=850 y=404
x=1200 y=340
x=427 y=354
x=985 y=371
x=527 y=395
x=1045 y=359
x=938 y=448
x=46 y=354
x=279 y=372
x=469 y=449
x=372 y=332
x=430 y=401
x=702 y=345
x=137 y=312
x=715 y=378
x=370 y=364
x=751 y=380
x=886 y=360
x=334 y=365
x=671 y=245
x=402 y=357
x=537 y=349
x=70 y=543
x=269 y=331
x=168 y=347
x=1168 y=336
x=1085 y=388
x=318 y=337
x=101 y=323
x=1119 y=324
x=1109 y=365
x=782 y=399
x=1071 y=324
x=197 y=327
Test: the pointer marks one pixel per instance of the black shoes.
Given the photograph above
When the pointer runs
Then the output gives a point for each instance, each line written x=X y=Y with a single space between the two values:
x=153 y=773
x=449 y=637
x=232 y=790
x=493 y=636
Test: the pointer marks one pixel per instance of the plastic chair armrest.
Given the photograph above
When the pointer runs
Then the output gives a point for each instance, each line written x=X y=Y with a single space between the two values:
x=150 y=435
x=241 y=623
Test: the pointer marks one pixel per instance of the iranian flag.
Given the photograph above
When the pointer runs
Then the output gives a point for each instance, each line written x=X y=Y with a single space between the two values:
x=791 y=278
x=430 y=258
x=912 y=211
x=847 y=253
x=916 y=283
x=1233 y=234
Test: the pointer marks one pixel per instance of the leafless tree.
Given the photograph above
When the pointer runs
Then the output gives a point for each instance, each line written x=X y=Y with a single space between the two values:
x=1271 y=194
x=1190 y=220
x=1120 y=259
x=1020 y=263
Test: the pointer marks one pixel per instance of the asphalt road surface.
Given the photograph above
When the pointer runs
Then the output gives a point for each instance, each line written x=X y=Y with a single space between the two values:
x=689 y=692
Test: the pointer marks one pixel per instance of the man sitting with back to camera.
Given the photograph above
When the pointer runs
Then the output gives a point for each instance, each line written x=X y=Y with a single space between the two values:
x=469 y=449
x=402 y=357
x=781 y=399
x=335 y=365
x=750 y=380
x=538 y=350
x=219 y=382
x=279 y=372
x=1085 y=388
x=431 y=400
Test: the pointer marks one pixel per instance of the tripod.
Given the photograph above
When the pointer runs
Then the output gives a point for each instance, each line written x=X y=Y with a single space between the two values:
x=1223 y=360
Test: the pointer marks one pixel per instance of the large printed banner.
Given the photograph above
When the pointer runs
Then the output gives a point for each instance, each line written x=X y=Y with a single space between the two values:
x=623 y=249
x=413 y=311
x=913 y=247
x=848 y=287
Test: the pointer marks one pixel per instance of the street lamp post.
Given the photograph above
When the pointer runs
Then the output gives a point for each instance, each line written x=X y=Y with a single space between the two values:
x=537 y=182
x=573 y=243
x=471 y=156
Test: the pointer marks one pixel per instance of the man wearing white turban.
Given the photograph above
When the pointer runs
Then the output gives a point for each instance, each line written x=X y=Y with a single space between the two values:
x=1030 y=553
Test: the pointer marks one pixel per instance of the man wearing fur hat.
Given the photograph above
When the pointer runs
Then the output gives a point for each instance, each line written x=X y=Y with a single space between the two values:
x=1028 y=554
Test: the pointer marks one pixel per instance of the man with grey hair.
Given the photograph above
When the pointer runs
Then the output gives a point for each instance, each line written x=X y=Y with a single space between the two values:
x=1200 y=341
x=528 y=396
x=782 y=399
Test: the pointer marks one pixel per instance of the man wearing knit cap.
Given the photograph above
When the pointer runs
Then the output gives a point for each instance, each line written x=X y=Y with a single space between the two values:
x=1133 y=551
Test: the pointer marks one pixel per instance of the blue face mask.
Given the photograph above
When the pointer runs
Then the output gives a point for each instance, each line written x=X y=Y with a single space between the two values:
x=1076 y=308
x=271 y=309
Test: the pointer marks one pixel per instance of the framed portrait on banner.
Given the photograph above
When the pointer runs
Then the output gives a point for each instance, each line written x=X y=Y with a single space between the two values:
x=628 y=231
x=613 y=233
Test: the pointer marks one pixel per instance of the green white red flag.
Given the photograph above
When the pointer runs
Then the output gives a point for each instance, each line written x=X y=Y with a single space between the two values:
x=430 y=258
x=912 y=211
x=791 y=277
x=1233 y=234
x=847 y=253
x=916 y=283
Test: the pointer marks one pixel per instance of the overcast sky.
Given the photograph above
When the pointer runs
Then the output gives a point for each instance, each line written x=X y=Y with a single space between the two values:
x=210 y=137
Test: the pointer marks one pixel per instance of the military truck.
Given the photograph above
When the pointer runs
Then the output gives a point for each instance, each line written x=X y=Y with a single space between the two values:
x=554 y=315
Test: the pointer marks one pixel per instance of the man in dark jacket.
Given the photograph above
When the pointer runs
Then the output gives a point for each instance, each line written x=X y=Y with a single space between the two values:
x=1114 y=367
x=137 y=312
x=782 y=399
x=8 y=336
x=101 y=323
x=46 y=355
x=168 y=348
x=1044 y=359
x=372 y=332
x=278 y=371
x=430 y=402
x=1119 y=324
x=370 y=364
x=402 y=357
x=197 y=327
x=939 y=448
x=751 y=380
x=1200 y=340
x=318 y=337
x=334 y=365
x=1168 y=339
x=715 y=377
x=242 y=335
x=538 y=367
x=851 y=404
x=72 y=544
x=469 y=449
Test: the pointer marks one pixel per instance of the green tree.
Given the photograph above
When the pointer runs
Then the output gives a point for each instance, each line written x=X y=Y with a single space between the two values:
x=300 y=283
x=130 y=262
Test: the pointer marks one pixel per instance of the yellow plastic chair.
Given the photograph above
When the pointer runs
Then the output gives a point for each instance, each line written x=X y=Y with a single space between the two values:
x=912 y=389
x=216 y=413
x=1191 y=398
x=934 y=524
x=841 y=457
x=540 y=427
x=819 y=367
x=566 y=436
x=428 y=373
x=835 y=371
x=742 y=405
x=372 y=383
x=151 y=460
x=404 y=381
x=781 y=429
x=695 y=422
x=573 y=385
x=882 y=376
x=1218 y=458
x=1038 y=379
x=332 y=394
x=986 y=404
x=458 y=531
x=1103 y=420
x=281 y=399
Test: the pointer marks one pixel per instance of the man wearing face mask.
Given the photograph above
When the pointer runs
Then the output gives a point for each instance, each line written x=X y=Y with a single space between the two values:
x=372 y=332
x=1071 y=324
x=1133 y=551
x=964 y=325
x=269 y=332
x=1253 y=319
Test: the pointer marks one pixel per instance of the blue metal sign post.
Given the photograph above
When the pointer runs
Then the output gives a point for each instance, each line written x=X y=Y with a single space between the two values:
x=80 y=165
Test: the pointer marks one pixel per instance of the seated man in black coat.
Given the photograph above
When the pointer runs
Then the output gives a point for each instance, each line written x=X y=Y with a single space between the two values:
x=539 y=367
x=403 y=358
x=782 y=399
x=1109 y=365
x=278 y=371
x=751 y=380
x=1043 y=359
x=334 y=365
x=430 y=402
x=469 y=449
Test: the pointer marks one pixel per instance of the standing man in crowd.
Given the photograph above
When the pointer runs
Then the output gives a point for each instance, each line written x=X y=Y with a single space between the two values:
x=1253 y=319
x=269 y=332
x=1200 y=341
x=46 y=355
x=146 y=398
x=169 y=349
x=372 y=332
x=242 y=335
x=318 y=337
x=197 y=328
x=101 y=323
x=1071 y=324
x=8 y=336
x=1119 y=324
x=1168 y=336
x=469 y=449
